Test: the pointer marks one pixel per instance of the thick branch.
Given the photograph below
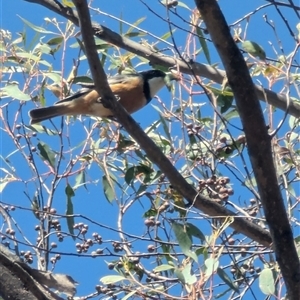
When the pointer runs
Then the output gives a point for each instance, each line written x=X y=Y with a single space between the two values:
x=258 y=142
x=17 y=283
x=277 y=100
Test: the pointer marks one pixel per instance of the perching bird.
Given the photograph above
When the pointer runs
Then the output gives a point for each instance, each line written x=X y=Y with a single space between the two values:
x=134 y=91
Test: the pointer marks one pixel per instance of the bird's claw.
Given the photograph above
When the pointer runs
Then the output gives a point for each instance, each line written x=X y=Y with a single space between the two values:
x=99 y=99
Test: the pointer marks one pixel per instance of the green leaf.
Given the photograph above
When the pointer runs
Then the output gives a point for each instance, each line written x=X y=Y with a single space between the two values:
x=135 y=24
x=266 y=282
x=46 y=153
x=224 y=102
x=293 y=121
x=185 y=275
x=42 y=48
x=192 y=139
x=188 y=276
x=41 y=129
x=12 y=90
x=55 y=41
x=254 y=49
x=108 y=189
x=36 y=28
x=20 y=39
x=83 y=79
x=70 y=211
x=112 y=279
x=166 y=250
x=225 y=92
x=192 y=230
x=80 y=180
x=150 y=213
x=35 y=205
x=165 y=127
x=124 y=143
x=293 y=136
x=134 y=34
x=3 y=47
x=147 y=172
x=163 y=268
x=203 y=44
x=179 y=204
x=184 y=240
x=297 y=240
x=211 y=265
x=129 y=175
x=139 y=272
x=81 y=45
x=231 y=114
x=223 y=275
x=201 y=251
x=132 y=172
x=103 y=48
x=33 y=57
x=178 y=273
x=167 y=34
x=55 y=77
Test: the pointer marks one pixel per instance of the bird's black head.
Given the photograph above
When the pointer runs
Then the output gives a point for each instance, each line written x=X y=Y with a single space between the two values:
x=154 y=80
x=148 y=75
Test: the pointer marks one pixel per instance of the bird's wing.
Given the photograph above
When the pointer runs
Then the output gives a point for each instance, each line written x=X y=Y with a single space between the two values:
x=112 y=80
x=78 y=94
x=86 y=88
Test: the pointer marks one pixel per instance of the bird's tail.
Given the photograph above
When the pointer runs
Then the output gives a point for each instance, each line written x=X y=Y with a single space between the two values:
x=40 y=114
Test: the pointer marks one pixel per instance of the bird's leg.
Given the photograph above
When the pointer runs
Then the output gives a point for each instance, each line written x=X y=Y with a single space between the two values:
x=104 y=103
x=99 y=100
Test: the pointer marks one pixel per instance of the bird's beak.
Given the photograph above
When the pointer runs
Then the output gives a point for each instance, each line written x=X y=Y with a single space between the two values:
x=170 y=76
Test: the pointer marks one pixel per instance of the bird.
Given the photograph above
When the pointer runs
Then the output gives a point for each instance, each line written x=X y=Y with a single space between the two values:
x=134 y=91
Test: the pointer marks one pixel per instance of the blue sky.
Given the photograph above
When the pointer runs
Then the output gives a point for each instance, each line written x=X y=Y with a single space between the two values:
x=91 y=202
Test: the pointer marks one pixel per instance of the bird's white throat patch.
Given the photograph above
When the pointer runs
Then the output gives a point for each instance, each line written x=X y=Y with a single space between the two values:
x=155 y=84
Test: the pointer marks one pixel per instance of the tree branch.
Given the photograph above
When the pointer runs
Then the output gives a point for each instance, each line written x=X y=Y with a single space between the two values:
x=17 y=280
x=258 y=144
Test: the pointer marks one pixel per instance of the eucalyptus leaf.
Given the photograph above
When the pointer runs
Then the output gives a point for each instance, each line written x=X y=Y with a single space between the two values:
x=184 y=240
x=254 y=49
x=70 y=210
x=46 y=153
x=266 y=282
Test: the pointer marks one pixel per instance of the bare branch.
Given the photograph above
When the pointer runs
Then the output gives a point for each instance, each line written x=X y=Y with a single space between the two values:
x=16 y=280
